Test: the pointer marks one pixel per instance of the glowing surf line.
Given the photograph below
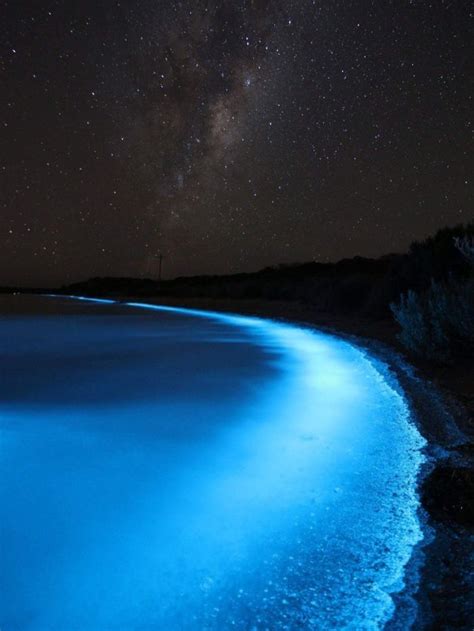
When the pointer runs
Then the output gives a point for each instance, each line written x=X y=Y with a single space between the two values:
x=309 y=347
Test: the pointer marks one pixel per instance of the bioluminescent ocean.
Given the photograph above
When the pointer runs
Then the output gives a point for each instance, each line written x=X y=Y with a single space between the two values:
x=168 y=469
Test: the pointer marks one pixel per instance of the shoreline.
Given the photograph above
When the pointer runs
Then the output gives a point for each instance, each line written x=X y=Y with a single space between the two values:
x=438 y=577
x=439 y=582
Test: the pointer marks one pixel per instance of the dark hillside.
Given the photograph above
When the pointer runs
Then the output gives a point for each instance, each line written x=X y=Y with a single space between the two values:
x=357 y=286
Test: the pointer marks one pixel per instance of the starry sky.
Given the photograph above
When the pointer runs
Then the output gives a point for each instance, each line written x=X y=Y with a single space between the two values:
x=227 y=135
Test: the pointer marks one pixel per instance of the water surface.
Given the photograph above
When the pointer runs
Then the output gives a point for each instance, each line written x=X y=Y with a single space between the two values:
x=171 y=469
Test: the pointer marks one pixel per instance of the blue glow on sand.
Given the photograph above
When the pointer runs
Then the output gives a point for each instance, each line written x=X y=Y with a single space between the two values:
x=169 y=468
x=104 y=301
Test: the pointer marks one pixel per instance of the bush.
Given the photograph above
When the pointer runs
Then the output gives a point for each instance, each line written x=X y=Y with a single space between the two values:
x=438 y=324
x=410 y=313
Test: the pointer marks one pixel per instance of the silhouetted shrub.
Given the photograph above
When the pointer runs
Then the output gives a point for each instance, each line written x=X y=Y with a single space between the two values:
x=438 y=324
x=465 y=246
x=419 y=333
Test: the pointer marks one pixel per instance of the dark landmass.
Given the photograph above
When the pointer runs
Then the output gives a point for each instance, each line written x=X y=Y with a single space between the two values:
x=359 y=286
x=24 y=290
x=353 y=297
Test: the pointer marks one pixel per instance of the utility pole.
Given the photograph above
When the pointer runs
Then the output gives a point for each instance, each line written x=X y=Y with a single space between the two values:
x=160 y=260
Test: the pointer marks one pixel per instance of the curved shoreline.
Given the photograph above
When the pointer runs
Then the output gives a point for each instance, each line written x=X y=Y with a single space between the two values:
x=441 y=567
x=406 y=609
x=440 y=573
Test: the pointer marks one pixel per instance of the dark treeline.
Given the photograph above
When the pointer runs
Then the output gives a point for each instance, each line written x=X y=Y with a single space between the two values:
x=359 y=287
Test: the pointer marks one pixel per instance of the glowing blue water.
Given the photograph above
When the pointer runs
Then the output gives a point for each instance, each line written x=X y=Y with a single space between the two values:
x=171 y=469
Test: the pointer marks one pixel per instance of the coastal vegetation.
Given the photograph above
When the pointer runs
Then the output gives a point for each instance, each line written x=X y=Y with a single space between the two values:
x=429 y=291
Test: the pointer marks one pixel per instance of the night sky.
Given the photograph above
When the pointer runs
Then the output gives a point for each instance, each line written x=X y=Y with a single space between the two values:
x=227 y=135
